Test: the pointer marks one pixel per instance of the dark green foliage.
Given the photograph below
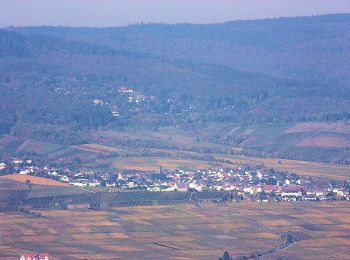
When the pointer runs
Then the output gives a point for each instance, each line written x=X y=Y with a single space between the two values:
x=226 y=256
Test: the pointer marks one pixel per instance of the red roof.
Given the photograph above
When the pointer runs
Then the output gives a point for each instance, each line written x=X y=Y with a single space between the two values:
x=292 y=189
x=271 y=188
x=35 y=256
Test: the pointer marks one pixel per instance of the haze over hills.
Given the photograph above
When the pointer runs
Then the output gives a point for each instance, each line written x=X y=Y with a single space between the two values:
x=246 y=80
x=282 y=47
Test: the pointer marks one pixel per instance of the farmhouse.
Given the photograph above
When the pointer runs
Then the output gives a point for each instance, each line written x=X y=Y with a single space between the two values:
x=35 y=256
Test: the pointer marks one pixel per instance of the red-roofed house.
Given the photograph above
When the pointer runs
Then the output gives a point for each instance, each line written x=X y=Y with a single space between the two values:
x=35 y=256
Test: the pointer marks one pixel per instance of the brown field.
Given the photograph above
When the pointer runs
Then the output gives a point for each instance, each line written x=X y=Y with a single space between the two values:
x=322 y=140
x=33 y=179
x=181 y=231
x=97 y=148
x=153 y=163
x=317 y=127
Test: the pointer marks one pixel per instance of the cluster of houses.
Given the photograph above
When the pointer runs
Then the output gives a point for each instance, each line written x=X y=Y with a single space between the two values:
x=130 y=101
x=129 y=95
x=132 y=96
x=242 y=182
x=35 y=256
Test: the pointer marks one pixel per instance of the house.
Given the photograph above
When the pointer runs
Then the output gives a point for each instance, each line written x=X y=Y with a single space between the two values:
x=35 y=256
x=200 y=186
x=24 y=172
x=181 y=186
x=97 y=102
x=115 y=113
x=64 y=178
x=153 y=188
x=2 y=166
x=310 y=197
x=53 y=173
x=292 y=193
x=17 y=161
x=124 y=89
x=131 y=185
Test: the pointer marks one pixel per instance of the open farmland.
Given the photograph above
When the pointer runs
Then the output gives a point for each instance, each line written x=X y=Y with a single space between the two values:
x=98 y=148
x=321 y=170
x=33 y=180
x=181 y=231
x=169 y=137
x=153 y=163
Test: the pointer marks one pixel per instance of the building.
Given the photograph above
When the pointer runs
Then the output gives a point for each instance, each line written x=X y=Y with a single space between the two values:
x=181 y=186
x=2 y=166
x=35 y=256
x=292 y=193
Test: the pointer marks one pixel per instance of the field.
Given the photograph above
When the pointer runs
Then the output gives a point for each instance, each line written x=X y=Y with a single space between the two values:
x=153 y=163
x=314 y=169
x=98 y=148
x=322 y=170
x=33 y=180
x=181 y=231
x=163 y=137
x=171 y=148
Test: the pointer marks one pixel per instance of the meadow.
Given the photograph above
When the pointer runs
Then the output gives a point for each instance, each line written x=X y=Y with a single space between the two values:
x=181 y=231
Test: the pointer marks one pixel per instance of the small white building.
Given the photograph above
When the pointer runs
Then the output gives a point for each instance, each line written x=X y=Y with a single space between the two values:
x=2 y=166
x=24 y=172
x=64 y=178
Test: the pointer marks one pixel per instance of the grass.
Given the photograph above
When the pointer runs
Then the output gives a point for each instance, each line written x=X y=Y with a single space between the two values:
x=181 y=231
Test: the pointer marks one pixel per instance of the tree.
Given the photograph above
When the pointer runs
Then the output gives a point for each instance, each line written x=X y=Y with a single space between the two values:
x=226 y=256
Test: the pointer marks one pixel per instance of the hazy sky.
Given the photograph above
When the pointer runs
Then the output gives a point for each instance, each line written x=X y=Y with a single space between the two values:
x=122 y=12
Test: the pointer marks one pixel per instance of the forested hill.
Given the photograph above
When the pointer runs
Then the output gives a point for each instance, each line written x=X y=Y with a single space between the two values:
x=306 y=47
x=58 y=80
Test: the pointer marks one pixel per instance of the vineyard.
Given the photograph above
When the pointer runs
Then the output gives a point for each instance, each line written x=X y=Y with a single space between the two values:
x=181 y=231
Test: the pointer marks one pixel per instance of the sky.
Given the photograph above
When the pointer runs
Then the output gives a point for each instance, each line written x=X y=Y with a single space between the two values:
x=100 y=13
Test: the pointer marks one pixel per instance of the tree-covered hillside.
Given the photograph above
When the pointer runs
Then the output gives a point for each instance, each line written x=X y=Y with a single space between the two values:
x=56 y=82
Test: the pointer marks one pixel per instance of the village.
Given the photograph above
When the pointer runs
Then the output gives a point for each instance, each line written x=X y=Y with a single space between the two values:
x=243 y=182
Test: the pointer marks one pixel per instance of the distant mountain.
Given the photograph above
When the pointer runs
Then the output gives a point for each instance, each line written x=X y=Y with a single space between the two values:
x=56 y=81
x=307 y=47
